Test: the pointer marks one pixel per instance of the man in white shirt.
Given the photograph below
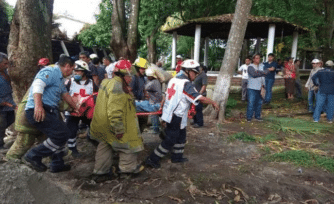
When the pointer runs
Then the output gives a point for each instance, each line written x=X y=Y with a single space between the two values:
x=243 y=70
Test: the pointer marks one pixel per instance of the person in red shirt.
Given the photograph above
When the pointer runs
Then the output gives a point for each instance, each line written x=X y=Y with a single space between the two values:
x=178 y=63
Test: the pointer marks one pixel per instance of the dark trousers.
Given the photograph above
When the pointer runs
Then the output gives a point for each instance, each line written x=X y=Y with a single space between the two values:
x=72 y=124
x=175 y=141
x=6 y=119
x=298 y=86
x=198 y=118
x=244 y=84
x=254 y=103
x=57 y=135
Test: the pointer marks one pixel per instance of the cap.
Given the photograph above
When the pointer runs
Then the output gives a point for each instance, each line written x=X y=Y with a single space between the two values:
x=92 y=56
x=330 y=63
x=179 y=56
x=315 y=61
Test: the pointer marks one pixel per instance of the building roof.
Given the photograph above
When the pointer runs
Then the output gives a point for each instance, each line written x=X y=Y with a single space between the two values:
x=219 y=27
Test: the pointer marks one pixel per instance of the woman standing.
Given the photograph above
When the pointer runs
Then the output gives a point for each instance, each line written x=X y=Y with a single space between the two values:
x=289 y=77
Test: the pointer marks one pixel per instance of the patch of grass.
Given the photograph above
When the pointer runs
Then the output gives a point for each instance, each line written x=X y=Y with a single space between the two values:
x=303 y=158
x=267 y=138
x=242 y=136
x=231 y=103
x=298 y=126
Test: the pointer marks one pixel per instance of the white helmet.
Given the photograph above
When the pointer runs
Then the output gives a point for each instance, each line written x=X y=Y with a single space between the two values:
x=315 y=61
x=81 y=66
x=179 y=56
x=92 y=56
x=149 y=72
x=190 y=64
x=330 y=63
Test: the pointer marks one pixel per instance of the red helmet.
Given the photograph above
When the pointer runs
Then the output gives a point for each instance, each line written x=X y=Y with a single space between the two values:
x=44 y=61
x=123 y=66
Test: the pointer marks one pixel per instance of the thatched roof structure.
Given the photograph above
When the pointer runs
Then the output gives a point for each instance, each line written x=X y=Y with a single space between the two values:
x=219 y=27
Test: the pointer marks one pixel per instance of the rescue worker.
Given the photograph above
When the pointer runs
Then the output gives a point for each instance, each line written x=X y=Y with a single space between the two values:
x=138 y=86
x=84 y=56
x=180 y=94
x=7 y=104
x=27 y=134
x=78 y=81
x=42 y=112
x=115 y=125
x=153 y=90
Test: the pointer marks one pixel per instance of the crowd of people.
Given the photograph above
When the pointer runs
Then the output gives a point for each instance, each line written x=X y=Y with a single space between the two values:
x=56 y=105
x=258 y=80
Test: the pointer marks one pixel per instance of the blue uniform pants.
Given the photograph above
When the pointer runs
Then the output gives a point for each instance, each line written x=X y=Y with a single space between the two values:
x=72 y=123
x=175 y=141
x=57 y=135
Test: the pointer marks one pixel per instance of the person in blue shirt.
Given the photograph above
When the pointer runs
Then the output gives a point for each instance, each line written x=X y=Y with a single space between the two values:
x=324 y=79
x=270 y=77
x=42 y=111
x=7 y=104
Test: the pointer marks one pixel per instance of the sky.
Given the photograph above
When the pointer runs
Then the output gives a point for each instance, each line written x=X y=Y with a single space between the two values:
x=82 y=10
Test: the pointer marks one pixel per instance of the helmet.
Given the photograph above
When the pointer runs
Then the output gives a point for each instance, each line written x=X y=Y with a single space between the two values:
x=149 y=72
x=44 y=61
x=123 y=66
x=81 y=66
x=330 y=63
x=315 y=61
x=190 y=64
x=141 y=62
x=92 y=56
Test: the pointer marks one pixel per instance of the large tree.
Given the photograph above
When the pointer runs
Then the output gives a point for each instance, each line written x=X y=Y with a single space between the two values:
x=125 y=28
x=29 y=40
x=231 y=56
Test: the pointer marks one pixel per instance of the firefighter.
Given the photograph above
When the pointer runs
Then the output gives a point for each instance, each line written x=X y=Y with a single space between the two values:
x=115 y=125
x=78 y=81
x=180 y=94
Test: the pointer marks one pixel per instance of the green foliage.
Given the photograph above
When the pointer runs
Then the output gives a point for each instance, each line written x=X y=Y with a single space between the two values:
x=303 y=158
x=9 y=11
x=267 y=138
x=298 y=126
x=216 y=53
x=242 y=136
x=98 y=34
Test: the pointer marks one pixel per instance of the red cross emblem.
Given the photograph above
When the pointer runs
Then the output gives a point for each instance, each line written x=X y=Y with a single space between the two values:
x=171 y=92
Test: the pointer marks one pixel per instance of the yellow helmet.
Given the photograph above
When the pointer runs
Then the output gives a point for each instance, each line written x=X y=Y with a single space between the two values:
x=141 y=62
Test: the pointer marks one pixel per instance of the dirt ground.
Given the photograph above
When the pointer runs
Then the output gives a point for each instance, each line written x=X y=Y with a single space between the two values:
x=219 y=170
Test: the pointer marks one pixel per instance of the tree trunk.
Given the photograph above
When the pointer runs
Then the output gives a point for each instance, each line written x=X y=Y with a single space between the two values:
x=244 y=51
x=234 y=44
x=124 y=42
x=29 y=40
x=152 y=47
